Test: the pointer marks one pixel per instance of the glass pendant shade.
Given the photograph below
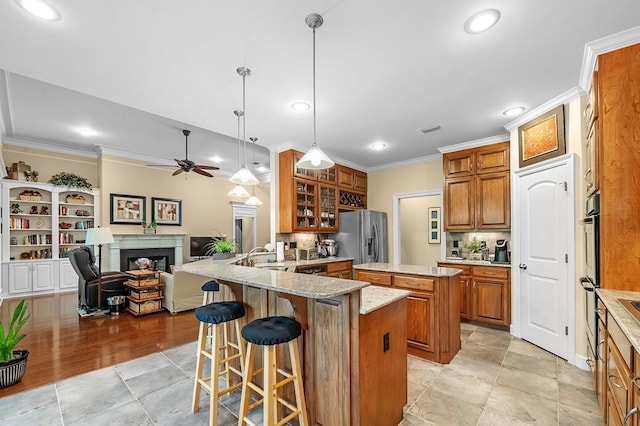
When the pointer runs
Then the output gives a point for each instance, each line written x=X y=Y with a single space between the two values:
x=315 y=159
x=253 y=201
x=244 y=177
x=239 y=191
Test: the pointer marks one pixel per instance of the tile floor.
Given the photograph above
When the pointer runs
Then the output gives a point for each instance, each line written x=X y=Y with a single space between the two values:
x=494 y=380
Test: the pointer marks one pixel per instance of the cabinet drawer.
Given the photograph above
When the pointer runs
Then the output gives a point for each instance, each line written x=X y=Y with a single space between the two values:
x=376 y=278
x=621 y=341
x=466 y=269
x=618 y=380
x=415 y=283
x=338 y=266
x=490 y=272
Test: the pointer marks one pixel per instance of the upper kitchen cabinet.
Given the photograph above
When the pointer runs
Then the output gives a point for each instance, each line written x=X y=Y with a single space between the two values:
x=353 y=179
x=618 y=131
x=477 y=188
x=590 y=148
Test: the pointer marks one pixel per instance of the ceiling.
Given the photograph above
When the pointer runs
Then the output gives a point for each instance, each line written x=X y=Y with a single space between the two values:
x=139 y=72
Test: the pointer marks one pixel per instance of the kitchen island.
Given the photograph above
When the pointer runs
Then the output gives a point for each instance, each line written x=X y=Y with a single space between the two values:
x=352 y=349
x=433 y=318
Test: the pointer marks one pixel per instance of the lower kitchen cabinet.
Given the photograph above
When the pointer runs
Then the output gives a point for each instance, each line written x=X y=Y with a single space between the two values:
x=421 y=322
x=27 y=277
x=342 y=270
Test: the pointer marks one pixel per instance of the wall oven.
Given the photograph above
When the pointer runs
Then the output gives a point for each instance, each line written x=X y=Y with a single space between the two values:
x=591 y=280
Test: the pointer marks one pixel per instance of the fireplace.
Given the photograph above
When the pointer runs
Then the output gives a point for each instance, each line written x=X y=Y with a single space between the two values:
x=165 y=249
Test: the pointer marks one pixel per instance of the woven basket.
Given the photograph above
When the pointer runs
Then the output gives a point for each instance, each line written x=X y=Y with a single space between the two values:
x=11 y=372
x=30 y=197
x=75 y=199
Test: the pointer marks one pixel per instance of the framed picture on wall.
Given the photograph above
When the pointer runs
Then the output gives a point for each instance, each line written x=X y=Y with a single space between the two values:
x=434 y=225
x=542 y=138
x=128 y=209
x=166 y=211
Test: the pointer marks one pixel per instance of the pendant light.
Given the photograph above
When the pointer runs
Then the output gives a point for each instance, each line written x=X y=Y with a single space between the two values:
x=314 y=159
x=253 y=200
x=238 y=190
x=244 y=175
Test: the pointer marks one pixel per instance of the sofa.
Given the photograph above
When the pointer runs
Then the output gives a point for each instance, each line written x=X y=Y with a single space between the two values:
x=182 y=290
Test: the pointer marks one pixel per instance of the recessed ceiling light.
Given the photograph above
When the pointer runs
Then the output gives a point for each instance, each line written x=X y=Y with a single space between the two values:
x=261 y=169
x=39 y=8
x=300 y=106
x=482 y=21
x=378 y=146
x=85 y=131
x=216 y=159
x=512 y=112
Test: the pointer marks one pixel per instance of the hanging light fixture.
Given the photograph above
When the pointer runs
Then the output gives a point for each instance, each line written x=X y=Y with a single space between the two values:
x=238 y=190
x=314 y=159
x=244 y=175
x=253 y=200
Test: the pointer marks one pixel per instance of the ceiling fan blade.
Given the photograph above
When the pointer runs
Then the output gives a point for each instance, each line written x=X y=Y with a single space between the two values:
x=181 y=163
x=161 y=165
x=200 y=166
x=177 y=172
x=202 y=172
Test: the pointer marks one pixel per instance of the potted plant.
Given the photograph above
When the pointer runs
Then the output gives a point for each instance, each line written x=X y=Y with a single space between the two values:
x=150 y=228
x=475 y=248
x=221 y=249
x=70 y=179
x=13 y=363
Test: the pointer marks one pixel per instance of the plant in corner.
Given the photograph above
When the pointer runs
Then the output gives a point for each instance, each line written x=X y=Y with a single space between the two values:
x=70 y=179
x=13 y=362
x=475 y=247
x=221 y=249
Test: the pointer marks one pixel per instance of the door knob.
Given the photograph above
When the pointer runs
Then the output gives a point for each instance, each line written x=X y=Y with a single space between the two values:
x=523 y=266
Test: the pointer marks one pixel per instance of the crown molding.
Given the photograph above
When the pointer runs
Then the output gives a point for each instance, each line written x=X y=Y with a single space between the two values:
x=473 y=144
x=419 y=160
x=604 y=45
x=561 y=99
x=5 y=104
x=89 y=151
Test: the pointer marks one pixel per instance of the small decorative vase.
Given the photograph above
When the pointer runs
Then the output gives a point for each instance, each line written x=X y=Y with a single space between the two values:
x=149 y=231
x=475 y=256
x=143 y=266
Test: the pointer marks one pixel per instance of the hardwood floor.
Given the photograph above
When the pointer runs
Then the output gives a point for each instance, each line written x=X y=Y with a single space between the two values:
x=61 y=344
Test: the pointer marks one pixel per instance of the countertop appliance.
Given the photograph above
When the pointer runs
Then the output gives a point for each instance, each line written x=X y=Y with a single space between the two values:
x=307 y=254
x=330 y=246
x=502 y=251
x=363 y=236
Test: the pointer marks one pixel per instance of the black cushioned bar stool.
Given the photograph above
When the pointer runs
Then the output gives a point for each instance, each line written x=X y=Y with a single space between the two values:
x=270 y=332
x=214 y=343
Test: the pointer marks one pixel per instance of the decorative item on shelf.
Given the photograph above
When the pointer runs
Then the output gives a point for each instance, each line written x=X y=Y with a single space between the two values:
x=34 y=210
x=65 y=225
x=221 y=249
x=75 y=199
x=15 y=208
x=150 y=228
x=83 y=213
x=30 y=195
x=31 y=176
x=142 y=262
x=44 y=210
x=475 y=248
x=13 y=363
x=13 y=241
x=70 y=179
x=19 y=170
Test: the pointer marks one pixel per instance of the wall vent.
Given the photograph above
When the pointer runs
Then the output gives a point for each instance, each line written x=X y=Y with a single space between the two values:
x=428 y=129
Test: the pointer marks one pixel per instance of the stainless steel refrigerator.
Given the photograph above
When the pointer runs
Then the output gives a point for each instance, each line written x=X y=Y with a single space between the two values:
x=363 y=236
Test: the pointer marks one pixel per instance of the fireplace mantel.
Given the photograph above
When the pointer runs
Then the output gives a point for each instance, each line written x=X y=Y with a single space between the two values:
x=142 y=241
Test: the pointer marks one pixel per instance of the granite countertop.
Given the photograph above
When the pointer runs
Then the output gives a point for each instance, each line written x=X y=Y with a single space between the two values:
x=310 y=286
x=398 y=268
x=375 y=297
x=629 y=325
x=290 y=265
x=475 y=262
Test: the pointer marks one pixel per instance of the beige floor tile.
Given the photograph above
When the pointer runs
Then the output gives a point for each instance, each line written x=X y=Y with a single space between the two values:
x=484 y=353
x=443 y=409
x=525 y=348
x=530 y=383
x=523 y=407
x=483 y=370
x=467 y=388
x=490 y=417
x=464 y=335
x=492 y=339
x=574 y=417
x=421 y=371
x=468 y=326
x=414 y=390
x=567 y=373
x=578 y=397
x=541 y=366
x=413 y=420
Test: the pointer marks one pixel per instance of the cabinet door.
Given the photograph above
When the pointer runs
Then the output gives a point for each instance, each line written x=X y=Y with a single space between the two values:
x=306 y=205
x=618 y=387
x=459 y=204
x=490 y=301
x=329 y=175
x=345 y=177
x=493 y=201
x=601 y=370
x=360 y=181
x=590 y=162
x=459 y=164
x=421 y=321
x=42 y=276
x=299 y=172
x=465 y=297
x=67 y=276
x=492 y=158
x=19 y=278
x=328 y=208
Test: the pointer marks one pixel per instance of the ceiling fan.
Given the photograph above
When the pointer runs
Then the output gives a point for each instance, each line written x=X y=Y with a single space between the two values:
x=187 y=165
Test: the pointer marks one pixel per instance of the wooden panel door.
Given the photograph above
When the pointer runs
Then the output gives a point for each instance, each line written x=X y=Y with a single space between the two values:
x=492 y=158
x=465 y=297
x=493 y=200
x=459 y=204
x=359 y=181
x=490 y=301
x=459 y=163
x=421 y=321
x=345 y=177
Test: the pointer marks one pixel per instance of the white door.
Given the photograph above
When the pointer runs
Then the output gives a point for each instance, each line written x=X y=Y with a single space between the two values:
x=544 y=271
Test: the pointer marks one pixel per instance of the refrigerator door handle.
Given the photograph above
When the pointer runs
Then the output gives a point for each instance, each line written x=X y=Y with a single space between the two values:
x=377 y=242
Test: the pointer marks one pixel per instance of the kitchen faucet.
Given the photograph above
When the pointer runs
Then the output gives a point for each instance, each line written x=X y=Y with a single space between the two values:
x=247 y=261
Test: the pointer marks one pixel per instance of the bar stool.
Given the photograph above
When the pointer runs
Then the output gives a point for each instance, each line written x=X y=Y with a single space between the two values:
x=269 y=333
x=214 y=320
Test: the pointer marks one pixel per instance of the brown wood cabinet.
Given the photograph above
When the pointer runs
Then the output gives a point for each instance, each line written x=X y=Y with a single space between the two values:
x=619 y=365
x=433 y=322
x=477 y=188
x=342 y=269
x=590 y=146
x=485 y=293
x=618 y=150
x=353 y=179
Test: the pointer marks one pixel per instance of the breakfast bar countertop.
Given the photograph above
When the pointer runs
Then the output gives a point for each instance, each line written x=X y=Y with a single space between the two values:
x=475 y=262
x=375 y=297
x=398 y=268
x=305 y=285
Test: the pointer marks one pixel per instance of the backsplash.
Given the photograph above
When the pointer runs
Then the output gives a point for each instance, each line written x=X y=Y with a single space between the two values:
x=463 y=238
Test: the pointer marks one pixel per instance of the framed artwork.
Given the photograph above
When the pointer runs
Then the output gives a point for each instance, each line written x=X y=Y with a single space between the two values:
x=542 y=138
x=434 y=225
x=166 y=211
x=128 y=209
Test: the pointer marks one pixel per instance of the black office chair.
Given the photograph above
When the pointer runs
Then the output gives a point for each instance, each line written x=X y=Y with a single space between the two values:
x=84 y=263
